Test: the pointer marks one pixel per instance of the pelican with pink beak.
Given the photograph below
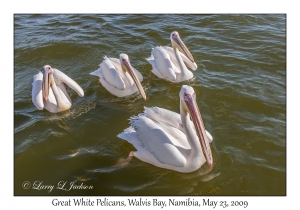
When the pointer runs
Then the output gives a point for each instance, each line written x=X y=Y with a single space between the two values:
x=169 y=140
x=119 y=78
x=170 y=63
x=49 y=92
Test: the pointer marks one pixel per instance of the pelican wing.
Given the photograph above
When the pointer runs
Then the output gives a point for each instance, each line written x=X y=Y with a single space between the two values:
x=111 y=74
x=170 y=51
x=164 y=64
x=164 y=115
x=37 y=95
x=130 y=135
x=157 y=141
x=62 y=77
x=63 y=93
x=171 y=122
x=116 y=63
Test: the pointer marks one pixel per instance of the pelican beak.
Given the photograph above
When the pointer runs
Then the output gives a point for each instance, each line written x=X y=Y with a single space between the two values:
x=126 y=66
x=47 y=81
x=177 y=43
x=193 y=110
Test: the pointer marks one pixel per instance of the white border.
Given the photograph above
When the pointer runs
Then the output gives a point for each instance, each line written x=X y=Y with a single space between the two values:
x=9 y=8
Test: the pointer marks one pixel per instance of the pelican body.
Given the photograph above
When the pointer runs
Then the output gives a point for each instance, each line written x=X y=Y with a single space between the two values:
x=169 y=140
x=171 y=64
x=119 y=78
x=49 y=92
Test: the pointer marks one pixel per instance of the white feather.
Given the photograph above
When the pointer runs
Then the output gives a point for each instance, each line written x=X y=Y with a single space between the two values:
x=114 y=79
x=111 y=75
x=152 y=135
x=165 y=67
x=56 y=92
x=37 y=95
x=61 y=77
x=166 y=139
x=188 y=62
x=170 y=64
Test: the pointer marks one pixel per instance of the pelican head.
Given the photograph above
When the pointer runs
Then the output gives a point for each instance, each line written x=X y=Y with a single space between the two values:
x=189 y=105
x=177 y=43
x=47 y=81
x=126 y=66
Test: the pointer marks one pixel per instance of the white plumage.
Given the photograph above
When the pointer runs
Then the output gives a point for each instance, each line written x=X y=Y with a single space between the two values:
x=168 y=140
x=119 y=77
x=171 y=64
x=58 y=99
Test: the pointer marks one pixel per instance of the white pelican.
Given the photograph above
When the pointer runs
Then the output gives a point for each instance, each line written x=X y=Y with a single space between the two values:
x=49 y=92
x=169 y=64
x=119 y=77
x=168 y=140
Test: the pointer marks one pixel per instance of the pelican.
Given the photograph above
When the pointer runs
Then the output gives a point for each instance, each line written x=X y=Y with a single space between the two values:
x=119 y=77
x=49 y=92
x=168 y=140
x=169 y=64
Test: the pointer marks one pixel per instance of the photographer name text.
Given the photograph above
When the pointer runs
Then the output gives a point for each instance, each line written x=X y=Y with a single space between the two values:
x=62 y=185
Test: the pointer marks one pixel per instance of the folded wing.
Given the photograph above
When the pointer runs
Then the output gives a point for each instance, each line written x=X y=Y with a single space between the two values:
x=188 y=63
x=157 y=141
x=37 y=96
x=111 y=74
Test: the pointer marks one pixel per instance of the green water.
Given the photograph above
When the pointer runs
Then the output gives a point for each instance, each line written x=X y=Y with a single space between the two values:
x=241 y=92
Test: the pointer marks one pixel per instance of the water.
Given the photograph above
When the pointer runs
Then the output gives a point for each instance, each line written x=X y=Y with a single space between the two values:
x=241 y=91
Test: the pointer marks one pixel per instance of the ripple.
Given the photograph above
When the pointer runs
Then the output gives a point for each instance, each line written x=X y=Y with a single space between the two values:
x=76 y=153
x=240 y=85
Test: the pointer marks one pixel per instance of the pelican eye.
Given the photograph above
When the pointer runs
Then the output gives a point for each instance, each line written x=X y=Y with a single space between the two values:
x=187 y=96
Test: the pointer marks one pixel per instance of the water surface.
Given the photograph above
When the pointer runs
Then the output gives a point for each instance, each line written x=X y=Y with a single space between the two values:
x=241 y=91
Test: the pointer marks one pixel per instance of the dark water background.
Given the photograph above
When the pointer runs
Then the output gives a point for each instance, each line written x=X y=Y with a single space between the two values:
x=241 y=91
